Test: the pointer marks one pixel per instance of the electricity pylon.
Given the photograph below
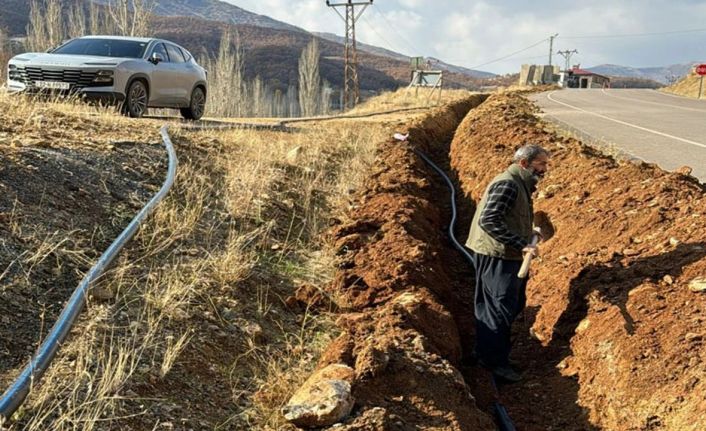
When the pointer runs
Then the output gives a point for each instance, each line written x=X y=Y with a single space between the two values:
x=351 y=87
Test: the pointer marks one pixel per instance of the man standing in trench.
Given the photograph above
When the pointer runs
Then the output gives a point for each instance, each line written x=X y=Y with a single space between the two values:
x=500 y=235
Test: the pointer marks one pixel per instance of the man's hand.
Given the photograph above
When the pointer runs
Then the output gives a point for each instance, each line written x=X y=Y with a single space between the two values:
x=530 y=249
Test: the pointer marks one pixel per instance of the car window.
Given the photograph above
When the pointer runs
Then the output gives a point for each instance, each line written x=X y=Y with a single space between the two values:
x=187 y=56
x=159 y=49
x=103 y=48
x=175 y=54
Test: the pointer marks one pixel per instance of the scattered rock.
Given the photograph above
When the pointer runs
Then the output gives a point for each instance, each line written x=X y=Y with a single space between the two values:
x=684 y=170
x=693 y=337
x=323 y=400
x=293 y=155
x=668 y=279
x=630 y=252
x=698 y=284
x=674 y=242
x=583 y=325
x=102 y=293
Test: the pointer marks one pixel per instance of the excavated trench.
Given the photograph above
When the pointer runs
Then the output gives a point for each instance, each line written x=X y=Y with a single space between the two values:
x=613 y=303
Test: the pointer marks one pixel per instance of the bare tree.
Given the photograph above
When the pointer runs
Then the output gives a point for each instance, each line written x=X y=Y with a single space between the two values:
x=325 y=104
x=227 y=91
x=5 y=54
x=309 y=79
x=131 y=17
x=292 y=101
x=98 y=20
x=76 y=24
x=37 y=39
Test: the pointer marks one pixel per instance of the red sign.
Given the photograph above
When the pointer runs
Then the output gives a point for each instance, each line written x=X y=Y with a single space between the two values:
x=701 y=69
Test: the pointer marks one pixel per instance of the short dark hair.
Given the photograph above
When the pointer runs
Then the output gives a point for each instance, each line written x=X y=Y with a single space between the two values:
x=529 y=152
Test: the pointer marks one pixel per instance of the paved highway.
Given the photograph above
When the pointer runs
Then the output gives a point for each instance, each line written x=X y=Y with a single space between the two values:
x=655 y=127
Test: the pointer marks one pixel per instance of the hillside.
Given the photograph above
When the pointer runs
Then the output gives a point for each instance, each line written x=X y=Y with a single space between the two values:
x=631 y=82
x=14 y=15
x=436 y=63
x=687 y=86
x=660 y=74
x=216 y=10
x=274 y=54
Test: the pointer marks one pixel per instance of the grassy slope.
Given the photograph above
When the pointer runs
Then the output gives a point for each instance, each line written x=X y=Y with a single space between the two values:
x=687 y=86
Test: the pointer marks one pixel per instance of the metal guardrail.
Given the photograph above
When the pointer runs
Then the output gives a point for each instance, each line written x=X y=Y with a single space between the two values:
x=16 y=394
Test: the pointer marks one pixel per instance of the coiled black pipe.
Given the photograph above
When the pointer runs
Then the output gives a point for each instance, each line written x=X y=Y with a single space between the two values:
x=16 y=394
x=501 y=415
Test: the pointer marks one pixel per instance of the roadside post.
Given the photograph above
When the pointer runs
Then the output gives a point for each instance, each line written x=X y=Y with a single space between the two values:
x=701 y=71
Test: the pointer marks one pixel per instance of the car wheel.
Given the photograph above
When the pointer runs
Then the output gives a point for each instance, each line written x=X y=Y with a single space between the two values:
x=197 y=106
x=135 y=104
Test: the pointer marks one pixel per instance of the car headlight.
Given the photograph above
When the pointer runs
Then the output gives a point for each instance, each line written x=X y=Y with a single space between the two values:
x=13 y=73
x=104 y=77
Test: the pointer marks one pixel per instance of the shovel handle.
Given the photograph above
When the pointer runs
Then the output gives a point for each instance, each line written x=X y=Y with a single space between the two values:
x=524 y=269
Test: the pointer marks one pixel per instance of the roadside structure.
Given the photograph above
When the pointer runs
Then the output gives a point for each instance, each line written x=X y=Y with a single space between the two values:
x=538 y=74
x=580 y=78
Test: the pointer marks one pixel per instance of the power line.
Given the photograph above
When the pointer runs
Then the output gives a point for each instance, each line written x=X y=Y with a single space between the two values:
x=387 y=42
x=394 y=28
x=509 y=55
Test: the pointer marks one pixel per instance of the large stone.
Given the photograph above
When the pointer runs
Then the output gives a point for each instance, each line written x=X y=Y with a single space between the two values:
x=323 y=400
x=698 y=284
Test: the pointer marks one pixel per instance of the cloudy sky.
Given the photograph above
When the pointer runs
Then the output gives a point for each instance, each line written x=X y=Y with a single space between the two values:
x=476 y=33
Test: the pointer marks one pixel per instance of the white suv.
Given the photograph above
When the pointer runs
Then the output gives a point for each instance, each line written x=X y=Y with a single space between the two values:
x=139 y=73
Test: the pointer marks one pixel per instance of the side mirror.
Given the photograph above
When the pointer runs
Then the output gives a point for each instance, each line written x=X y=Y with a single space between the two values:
x=156 y=58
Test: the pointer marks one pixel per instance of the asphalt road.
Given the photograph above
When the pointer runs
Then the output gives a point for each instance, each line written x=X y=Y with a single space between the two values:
x=652 y=126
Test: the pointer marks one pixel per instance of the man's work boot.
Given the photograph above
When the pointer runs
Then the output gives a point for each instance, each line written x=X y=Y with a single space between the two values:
x=506 y=373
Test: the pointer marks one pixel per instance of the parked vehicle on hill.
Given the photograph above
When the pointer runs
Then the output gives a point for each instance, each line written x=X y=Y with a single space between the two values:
x=138 y=73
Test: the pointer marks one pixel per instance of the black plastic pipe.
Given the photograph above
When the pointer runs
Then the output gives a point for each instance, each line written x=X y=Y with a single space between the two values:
x=16 y=394
x=502 y=417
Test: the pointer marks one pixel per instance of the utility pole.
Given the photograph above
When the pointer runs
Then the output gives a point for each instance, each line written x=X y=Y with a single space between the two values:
x=551 y=46
x=351 y=88
x=567 y=55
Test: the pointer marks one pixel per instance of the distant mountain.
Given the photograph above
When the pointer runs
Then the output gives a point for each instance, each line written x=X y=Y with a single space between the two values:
x=363 y=47
x=660 y=74
x=436 y=63
x=14 y=14
x=216 y=10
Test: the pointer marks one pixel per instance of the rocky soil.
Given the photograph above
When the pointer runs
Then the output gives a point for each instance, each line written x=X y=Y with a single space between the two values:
x=615 y=299
x=67 y=190
x=612 y=336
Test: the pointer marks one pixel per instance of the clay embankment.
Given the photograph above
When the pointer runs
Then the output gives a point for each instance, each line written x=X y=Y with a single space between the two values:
x=612 y=298
x=399 y=334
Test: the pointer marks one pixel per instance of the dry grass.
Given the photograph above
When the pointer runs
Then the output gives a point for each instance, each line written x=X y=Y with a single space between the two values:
x=239 y=231
x=405 y=98
x=687 y=87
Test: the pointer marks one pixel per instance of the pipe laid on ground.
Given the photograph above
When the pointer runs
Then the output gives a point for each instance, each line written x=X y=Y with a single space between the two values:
x=16 y=394
x=503 y=418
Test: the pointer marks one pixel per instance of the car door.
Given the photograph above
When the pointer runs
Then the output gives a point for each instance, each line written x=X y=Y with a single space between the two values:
x=182 y=75
x=160 y=77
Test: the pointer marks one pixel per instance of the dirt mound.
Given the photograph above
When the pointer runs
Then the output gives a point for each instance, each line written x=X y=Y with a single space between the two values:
x=687 y=86
x=399 y=334
x=610 y=292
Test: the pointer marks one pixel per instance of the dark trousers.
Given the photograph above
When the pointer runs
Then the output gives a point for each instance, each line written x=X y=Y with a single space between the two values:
x=499 y=298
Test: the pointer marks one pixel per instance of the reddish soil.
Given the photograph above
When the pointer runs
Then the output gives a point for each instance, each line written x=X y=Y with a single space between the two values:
x=621 y=333
x=399 y=294
x=617 y=341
